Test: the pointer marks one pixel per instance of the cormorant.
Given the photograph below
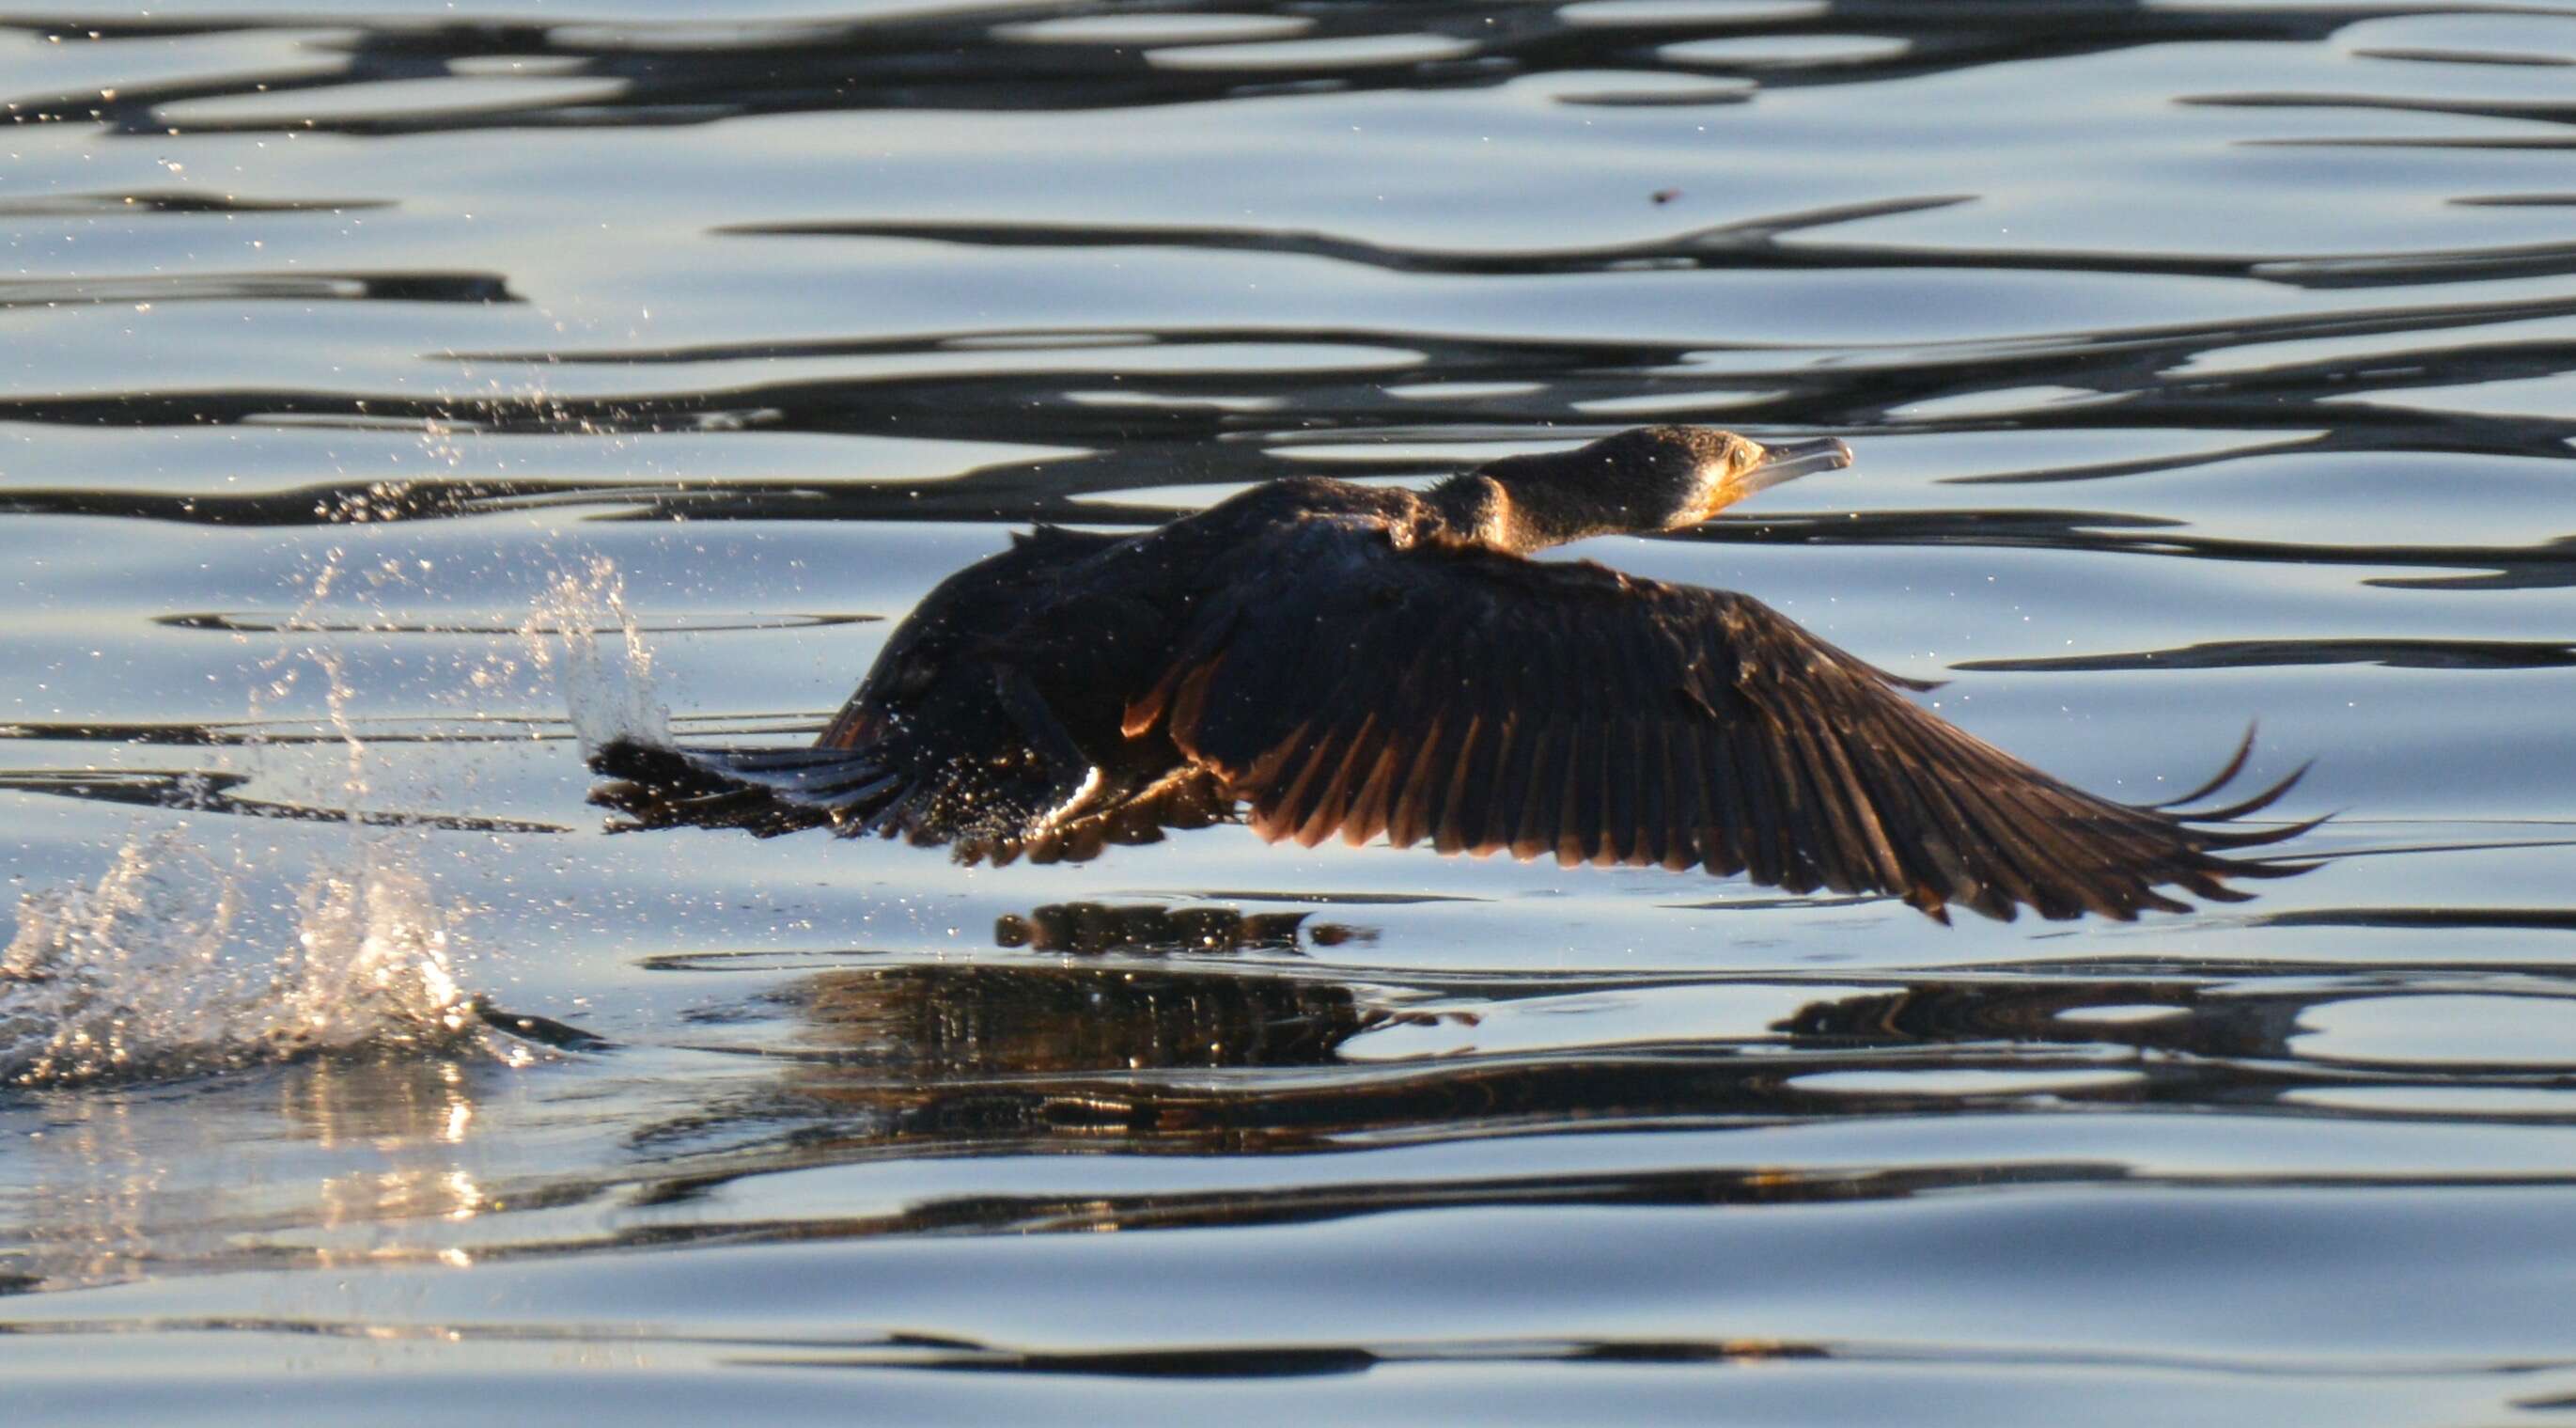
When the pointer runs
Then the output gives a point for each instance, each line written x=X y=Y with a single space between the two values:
x=1360 y=660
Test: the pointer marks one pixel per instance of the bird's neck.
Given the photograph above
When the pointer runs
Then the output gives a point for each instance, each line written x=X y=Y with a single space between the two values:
x=1523 y=512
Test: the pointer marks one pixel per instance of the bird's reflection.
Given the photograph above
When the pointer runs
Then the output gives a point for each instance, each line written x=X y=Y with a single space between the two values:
x=2169 y=1016
x=995 y=1052
x=1125 y=1045
x=1017 y=1019
x=977 y=1021
x=1096 y=927
x=969 y=1058
x=1012 y=1048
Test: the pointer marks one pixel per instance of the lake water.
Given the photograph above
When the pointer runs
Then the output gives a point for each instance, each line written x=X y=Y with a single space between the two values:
x=389 y=388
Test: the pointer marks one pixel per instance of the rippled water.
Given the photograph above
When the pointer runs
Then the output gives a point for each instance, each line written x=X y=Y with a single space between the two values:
x=391 y=389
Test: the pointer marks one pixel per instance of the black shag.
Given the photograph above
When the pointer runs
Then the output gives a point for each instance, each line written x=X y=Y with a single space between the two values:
x=1322 y=658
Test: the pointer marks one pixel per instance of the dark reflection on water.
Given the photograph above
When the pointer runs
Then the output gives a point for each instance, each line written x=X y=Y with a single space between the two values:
x=259 y=623
x=1036 y=493
x=2247 y=654
x=2557 y=919
x=343 y=333
x=256 y=287
x=1751 y=246
x=939 y=1059
x=1095 y=927
x=200 y=791
x=2139 y=377
x=721 y=70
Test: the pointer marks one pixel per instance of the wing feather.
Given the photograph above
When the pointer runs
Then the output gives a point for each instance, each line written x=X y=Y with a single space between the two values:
x=1413 y=817
x=1760 y=817
x=1578 y=801
x=1459 y=826
x=1482 y=701
x=1696 y=813
x=1622 y=781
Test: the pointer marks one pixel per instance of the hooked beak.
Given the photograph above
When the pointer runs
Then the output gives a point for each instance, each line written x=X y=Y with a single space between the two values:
x=1787 y=461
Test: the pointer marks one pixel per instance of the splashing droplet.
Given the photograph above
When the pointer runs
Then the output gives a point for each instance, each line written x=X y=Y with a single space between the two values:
x=608 y=690
x=173 y=964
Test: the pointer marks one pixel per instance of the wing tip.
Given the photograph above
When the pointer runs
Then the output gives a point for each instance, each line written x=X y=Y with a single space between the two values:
x=2226 y=774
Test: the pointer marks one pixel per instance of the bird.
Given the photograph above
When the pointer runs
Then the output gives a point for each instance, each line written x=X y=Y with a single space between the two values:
x=1320 y=658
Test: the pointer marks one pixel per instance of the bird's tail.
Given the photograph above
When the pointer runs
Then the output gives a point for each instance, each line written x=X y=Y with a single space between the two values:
x=766 y=791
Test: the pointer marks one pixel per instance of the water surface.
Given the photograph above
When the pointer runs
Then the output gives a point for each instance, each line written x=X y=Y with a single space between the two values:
x=395 y=394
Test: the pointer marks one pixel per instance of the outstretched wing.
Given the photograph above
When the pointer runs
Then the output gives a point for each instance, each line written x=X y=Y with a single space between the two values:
x=1486 y=702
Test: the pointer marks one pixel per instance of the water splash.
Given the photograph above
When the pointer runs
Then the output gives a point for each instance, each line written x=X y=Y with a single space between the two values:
x=608 y=690
x=187 y=956
x=184 y=958
x=173 y=963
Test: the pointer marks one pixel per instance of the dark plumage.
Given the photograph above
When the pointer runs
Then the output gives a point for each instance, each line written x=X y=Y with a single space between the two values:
x=1357 y=660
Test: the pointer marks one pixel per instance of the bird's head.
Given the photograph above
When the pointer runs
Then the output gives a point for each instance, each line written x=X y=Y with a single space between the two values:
x=1648 y=478
x=1690 y=473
